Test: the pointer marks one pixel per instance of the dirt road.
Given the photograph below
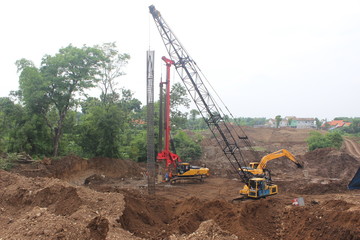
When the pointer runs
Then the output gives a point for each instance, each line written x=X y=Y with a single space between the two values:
x=352 y=147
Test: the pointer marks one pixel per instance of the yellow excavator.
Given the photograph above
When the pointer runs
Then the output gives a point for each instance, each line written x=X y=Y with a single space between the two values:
x=258 y=169
x=260 y=184
x=186 y=171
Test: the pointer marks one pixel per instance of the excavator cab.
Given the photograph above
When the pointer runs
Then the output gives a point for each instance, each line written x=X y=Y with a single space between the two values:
x=258 y=188
x=183 y=167
x=254 y=165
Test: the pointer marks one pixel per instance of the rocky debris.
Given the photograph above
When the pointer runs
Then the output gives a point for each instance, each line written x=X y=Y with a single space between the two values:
x=207 y=230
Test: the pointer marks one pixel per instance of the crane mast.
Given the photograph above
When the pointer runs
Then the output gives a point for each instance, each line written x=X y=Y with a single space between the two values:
x=169 y=157
x=224 y=132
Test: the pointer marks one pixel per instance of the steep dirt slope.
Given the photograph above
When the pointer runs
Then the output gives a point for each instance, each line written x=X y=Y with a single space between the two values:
x=76 y=169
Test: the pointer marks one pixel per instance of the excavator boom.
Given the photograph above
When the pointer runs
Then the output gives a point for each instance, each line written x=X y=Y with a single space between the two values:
x=278 y=154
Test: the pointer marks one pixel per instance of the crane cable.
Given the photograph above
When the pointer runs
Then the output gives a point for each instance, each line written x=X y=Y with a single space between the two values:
x=245 y=140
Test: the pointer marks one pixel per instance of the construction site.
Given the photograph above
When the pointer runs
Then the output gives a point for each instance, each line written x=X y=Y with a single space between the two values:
x=249 y=183
x=74 y=198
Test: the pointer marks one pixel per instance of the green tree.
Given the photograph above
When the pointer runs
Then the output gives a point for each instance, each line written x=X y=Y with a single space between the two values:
x=22 y=131
x=193 y=114
x=111 y=68
x=290 y=121
x=101 y=132
x=278 y=120
x=178 y=100
x=187 y=147
x=109 y=131
x=354 y=127
x=318 y=123
x=51 y=91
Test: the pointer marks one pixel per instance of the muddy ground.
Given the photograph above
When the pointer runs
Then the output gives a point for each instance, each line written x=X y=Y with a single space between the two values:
x=75 y=198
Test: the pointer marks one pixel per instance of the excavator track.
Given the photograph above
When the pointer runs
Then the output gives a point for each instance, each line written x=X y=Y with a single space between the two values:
x=241 y=198
x=197 y=178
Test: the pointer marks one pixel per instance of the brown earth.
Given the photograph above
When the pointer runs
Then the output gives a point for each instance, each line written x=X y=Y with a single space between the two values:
x=75 y=198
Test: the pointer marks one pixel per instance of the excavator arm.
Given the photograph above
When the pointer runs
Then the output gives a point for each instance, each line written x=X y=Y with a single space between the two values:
x=276 y=155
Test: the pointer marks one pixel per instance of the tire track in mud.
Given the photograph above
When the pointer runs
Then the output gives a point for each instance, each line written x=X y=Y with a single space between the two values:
x=352 y=147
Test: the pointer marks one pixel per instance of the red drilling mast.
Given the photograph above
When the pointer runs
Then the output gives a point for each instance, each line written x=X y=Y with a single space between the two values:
x=169 y=157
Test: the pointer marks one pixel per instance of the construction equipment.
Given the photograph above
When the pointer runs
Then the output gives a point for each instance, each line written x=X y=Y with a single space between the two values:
x=258 y=169
x=257 y=188
x=185 y=171
x=231 y=139
x=172 y=160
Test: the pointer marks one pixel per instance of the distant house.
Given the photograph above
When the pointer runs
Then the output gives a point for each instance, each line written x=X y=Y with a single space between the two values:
x=271 y=123
x=336 y=124
x=293 y=122
x=304 y=122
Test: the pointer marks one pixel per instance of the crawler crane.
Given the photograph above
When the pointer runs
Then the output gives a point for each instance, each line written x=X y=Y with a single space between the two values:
x=226 y=135
x=232 y=140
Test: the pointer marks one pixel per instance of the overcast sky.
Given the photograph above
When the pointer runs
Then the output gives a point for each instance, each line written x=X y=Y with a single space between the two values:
x=264 y=58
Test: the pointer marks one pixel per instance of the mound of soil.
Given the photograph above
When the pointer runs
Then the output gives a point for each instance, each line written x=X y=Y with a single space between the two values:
x=76 y=169
x=48 y=208
x=307 y=187
x=330 y=163
x=207 y=230
x=157 y=218
x=328 y=220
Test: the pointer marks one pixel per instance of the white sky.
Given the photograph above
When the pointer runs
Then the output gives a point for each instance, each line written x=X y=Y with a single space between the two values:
x=264 y=58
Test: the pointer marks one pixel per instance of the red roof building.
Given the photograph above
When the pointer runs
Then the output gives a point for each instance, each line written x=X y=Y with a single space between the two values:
x=337 y=124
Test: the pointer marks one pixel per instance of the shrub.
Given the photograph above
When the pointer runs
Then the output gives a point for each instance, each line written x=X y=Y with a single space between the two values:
x=318 y=140
x=7 y=161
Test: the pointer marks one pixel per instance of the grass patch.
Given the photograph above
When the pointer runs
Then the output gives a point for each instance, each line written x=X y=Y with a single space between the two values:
x=6 y=163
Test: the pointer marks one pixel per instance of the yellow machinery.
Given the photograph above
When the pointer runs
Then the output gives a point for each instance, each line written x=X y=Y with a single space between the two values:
x=258 y=188
x=259 y=168
x=186 y=171
x=260 y=184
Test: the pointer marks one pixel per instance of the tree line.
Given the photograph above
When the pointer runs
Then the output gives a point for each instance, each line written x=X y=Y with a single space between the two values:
x=52 y=114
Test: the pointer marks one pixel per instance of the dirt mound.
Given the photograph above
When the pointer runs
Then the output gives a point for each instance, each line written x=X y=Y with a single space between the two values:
x=192 y=218
x=329 y=220
x=330 y=163
x=75 y=169
x=48 y=208
x=207 y=230
x=59 y=199
x=99 y=227
x=265 y=140
x=308 y=187
x=157 y=218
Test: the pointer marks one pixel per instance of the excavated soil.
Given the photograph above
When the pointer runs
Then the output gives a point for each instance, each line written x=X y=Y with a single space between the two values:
x=75 y=198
